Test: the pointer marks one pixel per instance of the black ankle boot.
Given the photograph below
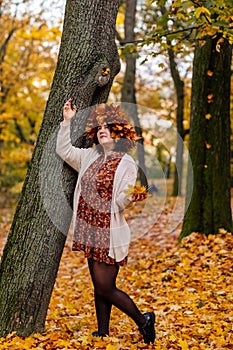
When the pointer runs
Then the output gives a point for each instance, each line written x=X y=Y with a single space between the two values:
x=97 y=334
x=148 y=330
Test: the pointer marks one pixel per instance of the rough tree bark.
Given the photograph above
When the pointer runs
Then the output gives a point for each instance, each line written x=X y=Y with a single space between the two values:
x=34 y=247
x=128 y=94
x=210 y=207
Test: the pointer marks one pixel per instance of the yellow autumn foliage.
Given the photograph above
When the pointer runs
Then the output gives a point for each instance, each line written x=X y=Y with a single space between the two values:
x=27 y=69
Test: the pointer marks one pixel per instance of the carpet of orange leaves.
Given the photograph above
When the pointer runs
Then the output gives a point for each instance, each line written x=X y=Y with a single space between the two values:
x=188 y=286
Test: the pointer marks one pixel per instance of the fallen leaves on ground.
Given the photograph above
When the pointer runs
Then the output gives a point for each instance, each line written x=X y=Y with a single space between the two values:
x=188 y=286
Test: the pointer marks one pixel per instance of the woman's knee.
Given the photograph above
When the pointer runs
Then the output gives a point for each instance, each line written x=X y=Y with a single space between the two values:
x=104 y=278
x=104 y=291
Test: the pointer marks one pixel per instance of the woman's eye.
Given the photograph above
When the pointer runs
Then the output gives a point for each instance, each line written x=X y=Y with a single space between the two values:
x=102 y=127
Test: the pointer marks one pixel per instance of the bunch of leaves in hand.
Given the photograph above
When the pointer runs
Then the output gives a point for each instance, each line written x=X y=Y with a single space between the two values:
x=137 y=192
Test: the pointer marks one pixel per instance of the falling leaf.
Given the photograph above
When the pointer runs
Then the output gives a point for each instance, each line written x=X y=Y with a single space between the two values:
x=210 y=73
x=210 y=98
x=201 y=43
x=208 y=116
x=218 y=45
x=161 y=65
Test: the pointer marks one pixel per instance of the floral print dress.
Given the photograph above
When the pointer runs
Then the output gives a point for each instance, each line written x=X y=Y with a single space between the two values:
x=92 y=226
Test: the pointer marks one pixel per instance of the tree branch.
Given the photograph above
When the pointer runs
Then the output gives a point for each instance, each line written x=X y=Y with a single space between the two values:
x=119 y=38
x=4 y=45
x=164 y=34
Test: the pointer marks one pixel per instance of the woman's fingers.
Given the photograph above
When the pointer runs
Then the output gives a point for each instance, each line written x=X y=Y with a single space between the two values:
x=68 y=110
x=139 y=197
x=67 y=105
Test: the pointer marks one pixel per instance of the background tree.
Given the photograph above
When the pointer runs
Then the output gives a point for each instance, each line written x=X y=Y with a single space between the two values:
x=210 y=25
x=175 y=53
x=210 y=206
x=27 y=64
x=128 y=93
x=179 y=89
x=32 y=253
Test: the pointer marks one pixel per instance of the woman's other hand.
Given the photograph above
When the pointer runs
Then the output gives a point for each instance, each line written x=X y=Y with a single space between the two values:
x=139 y=197
x=68 y=111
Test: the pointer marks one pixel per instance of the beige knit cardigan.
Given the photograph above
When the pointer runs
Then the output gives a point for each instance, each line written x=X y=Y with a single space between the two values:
x=80 y=159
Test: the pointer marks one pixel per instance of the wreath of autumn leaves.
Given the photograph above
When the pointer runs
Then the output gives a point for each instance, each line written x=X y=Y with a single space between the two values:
x=116 y=118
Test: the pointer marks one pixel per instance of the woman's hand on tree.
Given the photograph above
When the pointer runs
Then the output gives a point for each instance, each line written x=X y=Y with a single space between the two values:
x=68 y=111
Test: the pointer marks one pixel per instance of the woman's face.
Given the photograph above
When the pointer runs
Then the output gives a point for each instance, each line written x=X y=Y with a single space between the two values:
x=104 y=137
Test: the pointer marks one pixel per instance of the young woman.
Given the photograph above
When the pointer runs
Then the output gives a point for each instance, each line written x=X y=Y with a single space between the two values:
x=106 y=175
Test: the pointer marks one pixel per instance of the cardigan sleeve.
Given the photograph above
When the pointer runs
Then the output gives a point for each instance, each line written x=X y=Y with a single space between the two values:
x=64 y=148
x=128 y=177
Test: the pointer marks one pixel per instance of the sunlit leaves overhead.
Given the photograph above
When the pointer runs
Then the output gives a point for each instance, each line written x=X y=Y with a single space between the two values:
x=188 y=20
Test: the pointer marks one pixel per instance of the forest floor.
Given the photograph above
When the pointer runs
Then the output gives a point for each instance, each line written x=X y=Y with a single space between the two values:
x=189 y=286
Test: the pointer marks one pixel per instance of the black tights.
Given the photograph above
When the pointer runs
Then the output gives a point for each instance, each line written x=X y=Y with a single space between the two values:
x=107 y=294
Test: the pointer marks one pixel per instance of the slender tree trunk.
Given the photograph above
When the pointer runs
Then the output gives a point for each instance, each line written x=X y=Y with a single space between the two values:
x=128 y=93
x=3 y=90
x=34 y=247
x=179 y=87
x=210 y=207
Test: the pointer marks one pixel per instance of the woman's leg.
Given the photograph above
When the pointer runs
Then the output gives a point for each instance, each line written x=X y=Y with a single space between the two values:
x=102 y=306
x=104 y=281
x=103 y=311
x=106 y=294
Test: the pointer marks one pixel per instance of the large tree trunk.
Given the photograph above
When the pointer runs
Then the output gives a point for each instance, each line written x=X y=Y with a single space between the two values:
x=32 y=254
x=210 y=207
x=128 y=94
